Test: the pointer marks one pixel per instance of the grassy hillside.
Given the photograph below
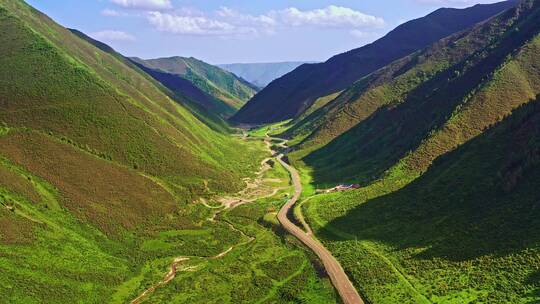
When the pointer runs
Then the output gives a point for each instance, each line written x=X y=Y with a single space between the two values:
x=294 y=93
x=68 y=89
x=106 y=234
x=464 y=232
x=449 y=168
x=101 y=172
x=426 y=104
x=217 y=90
x=203 y=106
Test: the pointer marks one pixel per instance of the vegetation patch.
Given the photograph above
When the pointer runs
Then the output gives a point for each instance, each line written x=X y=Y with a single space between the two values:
x=456 y=234
x=99 y=192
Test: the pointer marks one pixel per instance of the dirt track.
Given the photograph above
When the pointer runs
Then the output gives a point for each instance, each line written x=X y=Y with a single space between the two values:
x=341 y=282
x=339 y=279
x=168 y=277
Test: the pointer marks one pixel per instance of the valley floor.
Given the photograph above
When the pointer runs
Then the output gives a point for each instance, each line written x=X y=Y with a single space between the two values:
x=268 y=265
x=224 y=250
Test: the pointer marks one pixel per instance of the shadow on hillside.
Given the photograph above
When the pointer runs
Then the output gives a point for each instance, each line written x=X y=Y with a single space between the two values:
x=534 y=279
x=481 y=199
x=376 y=143
x=205 y=107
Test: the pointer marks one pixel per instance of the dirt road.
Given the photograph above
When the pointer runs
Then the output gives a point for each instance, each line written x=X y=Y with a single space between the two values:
x=174 y=270
x=168 y=277
x=341 y=282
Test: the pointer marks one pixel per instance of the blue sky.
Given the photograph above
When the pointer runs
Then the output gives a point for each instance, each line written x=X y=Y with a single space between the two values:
x=230 y=31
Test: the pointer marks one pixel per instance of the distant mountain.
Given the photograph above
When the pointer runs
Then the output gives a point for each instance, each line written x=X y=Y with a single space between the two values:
x=217 y=90
x=261 y=74
x=294 y=93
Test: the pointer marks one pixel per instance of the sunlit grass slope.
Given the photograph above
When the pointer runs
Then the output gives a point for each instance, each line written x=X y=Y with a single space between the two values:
x=203 y=106
x=62 y=86
x=221 y=91
x=97 y=160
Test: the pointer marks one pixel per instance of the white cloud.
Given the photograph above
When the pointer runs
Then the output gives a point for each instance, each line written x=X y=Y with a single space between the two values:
x=112 y=13
x=144 y=4
x=229 y=22
x=329 y=17
x=195 y=25
x=237 y=17
x=111 y=35
x=261 y=24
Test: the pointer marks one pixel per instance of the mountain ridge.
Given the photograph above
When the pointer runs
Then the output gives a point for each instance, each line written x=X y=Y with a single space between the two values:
x=217 y=90
x=387 y=108
x=295 y=92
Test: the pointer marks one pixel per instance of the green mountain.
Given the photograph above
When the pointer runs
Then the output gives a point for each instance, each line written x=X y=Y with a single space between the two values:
x=423 y=105
x=464 y=232
x=110 y=170
x=291 y=95
x=99 y=169
x=215 y=89
x=261 y=74
x=445 y=143
x=203 y=106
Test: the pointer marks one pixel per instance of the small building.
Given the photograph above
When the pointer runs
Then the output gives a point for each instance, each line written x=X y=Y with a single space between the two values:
x=347 y=187
x=342 y=187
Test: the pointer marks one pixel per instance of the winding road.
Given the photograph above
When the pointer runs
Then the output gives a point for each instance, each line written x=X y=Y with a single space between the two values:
x=339 y=279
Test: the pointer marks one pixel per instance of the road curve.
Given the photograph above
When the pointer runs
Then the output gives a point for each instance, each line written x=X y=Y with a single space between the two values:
x=341 y=282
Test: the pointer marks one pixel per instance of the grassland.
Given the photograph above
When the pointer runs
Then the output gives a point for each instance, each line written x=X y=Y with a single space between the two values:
x=94 y=254
x=89 y=246
x=270 y=129
x=269 y=266
x=269 y=269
